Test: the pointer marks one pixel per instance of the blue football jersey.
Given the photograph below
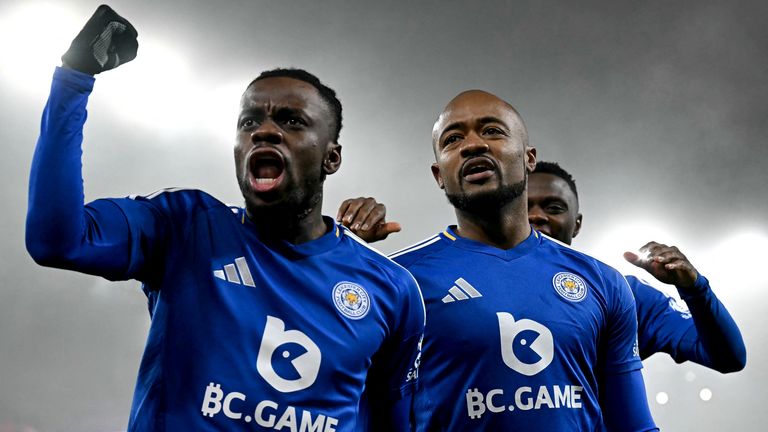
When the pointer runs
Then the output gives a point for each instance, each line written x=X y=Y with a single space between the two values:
x=247 y=333
x=518 y=339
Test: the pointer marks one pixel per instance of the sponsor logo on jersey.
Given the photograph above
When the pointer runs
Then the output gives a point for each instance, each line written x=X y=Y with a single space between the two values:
x=266 y=413
x=527 y=346
x=680 y=307
x=463 y=290
x=523 y=398
x=277 y=347
x=636 y=347
x=351 y=300
x=569 y=286
x=413 y=372
x=237 y=272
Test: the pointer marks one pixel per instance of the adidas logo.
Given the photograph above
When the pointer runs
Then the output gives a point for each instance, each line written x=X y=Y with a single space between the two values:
x=461 y=291
x=236 y=273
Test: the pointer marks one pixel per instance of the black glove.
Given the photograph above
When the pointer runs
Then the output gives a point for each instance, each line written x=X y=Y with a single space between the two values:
x=107 y=41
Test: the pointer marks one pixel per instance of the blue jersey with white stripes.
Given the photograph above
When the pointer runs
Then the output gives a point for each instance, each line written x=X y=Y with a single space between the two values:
x=518 y=339
x=247 y=333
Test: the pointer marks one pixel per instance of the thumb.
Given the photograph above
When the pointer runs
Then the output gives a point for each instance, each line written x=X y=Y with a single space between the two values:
x=633 y=258
x=383 y=230
x=391 y=227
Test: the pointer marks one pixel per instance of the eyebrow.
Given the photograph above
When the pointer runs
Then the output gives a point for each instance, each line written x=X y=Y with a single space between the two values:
x=255 y=109
x=483 y=121
x=490 y=119
x=281 y=111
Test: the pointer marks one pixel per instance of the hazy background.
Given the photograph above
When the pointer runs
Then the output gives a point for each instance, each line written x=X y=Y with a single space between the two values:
x=658 y=109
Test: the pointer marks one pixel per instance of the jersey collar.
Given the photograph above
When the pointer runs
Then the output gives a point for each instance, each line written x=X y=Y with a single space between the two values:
x=324 y=243
x=522 y=249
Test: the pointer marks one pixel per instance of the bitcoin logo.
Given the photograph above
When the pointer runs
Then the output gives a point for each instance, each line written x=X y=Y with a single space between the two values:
x=212 y=400
x=475 y=405
x=542 y=345
x=306 y=365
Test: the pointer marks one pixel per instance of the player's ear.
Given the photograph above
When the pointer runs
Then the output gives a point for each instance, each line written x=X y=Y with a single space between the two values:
x=438 y=177
x=577 y=225
x=332 y=161
x=530 y=159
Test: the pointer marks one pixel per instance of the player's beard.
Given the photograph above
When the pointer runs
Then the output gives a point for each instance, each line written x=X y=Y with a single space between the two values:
x=487 y=201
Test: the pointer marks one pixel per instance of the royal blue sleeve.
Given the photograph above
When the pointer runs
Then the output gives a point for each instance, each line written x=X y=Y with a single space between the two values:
x=704 y=333
x=621 y=352
x=625 y=405
x=393 y=376
x=61 y=231
x=622 y=394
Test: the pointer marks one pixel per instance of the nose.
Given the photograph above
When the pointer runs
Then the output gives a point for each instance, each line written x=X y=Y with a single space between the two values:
x=473 y=145
x=536 y=217
x=267 y=132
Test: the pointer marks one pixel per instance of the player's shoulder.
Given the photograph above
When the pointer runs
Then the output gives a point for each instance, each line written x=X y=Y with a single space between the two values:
x=644 y=290
x=410 y=255
x=567 y=252
x=374 y=257
x=583 y=262
x=182 y=199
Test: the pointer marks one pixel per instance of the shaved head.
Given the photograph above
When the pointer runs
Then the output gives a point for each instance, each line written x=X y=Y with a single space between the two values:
x=458 y=107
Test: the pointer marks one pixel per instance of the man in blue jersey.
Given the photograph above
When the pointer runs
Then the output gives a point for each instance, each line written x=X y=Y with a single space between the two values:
x=522 y=332
x=266 y=317
x=703 y=332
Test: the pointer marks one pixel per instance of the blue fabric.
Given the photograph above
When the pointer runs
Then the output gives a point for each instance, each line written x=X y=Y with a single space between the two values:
x=625 y=403
x=489 y=362
x=245 y=331
x=701 y=330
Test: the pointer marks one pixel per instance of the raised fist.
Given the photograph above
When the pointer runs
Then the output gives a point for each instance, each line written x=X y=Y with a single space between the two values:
x=107 y=41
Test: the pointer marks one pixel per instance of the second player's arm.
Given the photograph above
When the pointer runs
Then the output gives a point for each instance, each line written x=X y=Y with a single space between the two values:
x=713 y=339
x=710 y=337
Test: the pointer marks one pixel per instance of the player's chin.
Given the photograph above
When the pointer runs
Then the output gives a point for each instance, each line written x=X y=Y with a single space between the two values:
x=479 y=188
x=260 y=198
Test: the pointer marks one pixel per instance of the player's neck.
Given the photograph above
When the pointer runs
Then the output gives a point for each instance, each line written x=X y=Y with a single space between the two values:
x=290 y=225
x=504 y=228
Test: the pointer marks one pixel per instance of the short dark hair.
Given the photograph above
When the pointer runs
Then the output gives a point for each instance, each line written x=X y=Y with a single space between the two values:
x=555 y=169
x=327 y=93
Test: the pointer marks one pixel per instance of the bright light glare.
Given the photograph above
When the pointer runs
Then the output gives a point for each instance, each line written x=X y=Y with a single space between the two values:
x=33 y=36
x=732 y=262
x=630 y=236
x=644 y=255
x=159 y=90
x=705 y=394
x=155 y=90
x=662 y=398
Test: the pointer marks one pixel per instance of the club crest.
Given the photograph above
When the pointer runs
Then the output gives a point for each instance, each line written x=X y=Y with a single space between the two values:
x=569 y=286
x=351 y=300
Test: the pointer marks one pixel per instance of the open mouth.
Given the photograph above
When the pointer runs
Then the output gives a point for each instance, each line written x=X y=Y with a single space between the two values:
x=478 y=169
x=266 y=169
